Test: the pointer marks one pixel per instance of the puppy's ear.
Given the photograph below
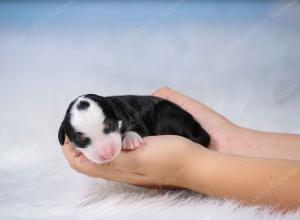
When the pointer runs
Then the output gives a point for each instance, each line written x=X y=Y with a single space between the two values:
x=61 y=134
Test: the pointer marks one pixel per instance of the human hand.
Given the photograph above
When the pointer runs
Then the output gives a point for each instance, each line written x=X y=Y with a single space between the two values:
x=162 y=161
x=176 y=161
x=224 y=134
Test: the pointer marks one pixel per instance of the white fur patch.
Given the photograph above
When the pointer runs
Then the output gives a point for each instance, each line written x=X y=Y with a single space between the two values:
x=90 y=122
x=120 y=123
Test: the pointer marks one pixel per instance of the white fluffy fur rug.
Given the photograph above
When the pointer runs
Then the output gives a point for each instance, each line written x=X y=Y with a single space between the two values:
x=255 y=84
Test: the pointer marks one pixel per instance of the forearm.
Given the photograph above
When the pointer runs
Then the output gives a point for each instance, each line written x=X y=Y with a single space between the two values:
x=266 y=144
x=251 y=181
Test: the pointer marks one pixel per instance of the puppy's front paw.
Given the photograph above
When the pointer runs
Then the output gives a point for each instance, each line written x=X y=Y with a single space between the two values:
x=131 y=141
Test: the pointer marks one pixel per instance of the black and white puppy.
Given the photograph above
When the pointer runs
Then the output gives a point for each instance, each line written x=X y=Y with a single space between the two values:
x=100 y=127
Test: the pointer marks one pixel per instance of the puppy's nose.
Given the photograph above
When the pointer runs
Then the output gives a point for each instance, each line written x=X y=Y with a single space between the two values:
x=107 y=153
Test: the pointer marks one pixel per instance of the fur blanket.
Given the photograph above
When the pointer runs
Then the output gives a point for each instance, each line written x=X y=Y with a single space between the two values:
x=255 y=83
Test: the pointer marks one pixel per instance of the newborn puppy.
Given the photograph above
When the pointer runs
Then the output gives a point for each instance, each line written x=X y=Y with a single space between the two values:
x=100 y=127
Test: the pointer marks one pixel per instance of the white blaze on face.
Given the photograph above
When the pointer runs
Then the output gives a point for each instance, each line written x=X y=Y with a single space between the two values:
x=90 y=122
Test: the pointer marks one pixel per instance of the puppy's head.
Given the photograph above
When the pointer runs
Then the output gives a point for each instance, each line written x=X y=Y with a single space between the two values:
x=92 y=127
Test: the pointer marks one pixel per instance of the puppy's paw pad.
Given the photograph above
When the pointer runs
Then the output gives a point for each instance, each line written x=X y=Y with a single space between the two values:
x=131 y=141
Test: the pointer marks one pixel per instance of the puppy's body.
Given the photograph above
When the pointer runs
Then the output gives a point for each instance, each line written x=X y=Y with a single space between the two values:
x=104 y=125
x=148 y=115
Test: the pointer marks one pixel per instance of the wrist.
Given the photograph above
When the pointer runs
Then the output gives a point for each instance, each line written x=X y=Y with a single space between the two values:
x=256 y=143
x=198 y=168
x=246 y=143
x=238 y=140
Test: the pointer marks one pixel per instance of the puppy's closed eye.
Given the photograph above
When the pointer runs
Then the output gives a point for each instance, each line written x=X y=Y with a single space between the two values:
x=80 y=136
x=81 y=140
x=110 y=126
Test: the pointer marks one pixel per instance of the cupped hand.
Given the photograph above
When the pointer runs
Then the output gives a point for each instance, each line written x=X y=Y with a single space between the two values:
x=163 y=160
x=224 y=134
x=160 y=162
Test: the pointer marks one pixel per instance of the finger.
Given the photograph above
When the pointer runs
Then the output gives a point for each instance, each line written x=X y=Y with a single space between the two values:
x=66 y=140
x=83 y=165
x=71 y=154
x=200 y=112
x=187 y=103
x=170 y=94
x=123 y=168
x=68 y=150
x=117 y=170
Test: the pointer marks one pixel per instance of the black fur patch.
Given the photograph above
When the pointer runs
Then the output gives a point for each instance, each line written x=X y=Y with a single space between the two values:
x=83 y=105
